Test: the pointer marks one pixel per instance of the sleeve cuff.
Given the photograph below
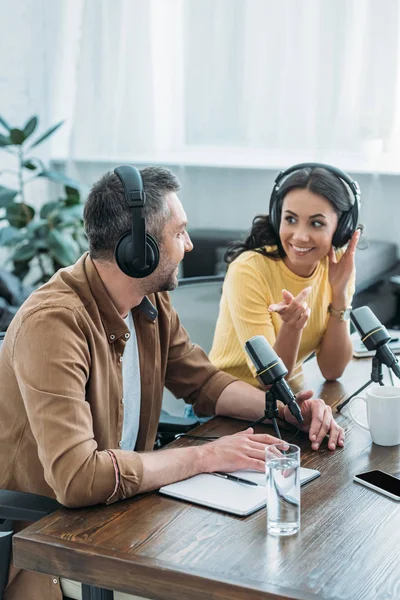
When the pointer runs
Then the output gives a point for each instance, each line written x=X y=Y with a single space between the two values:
x=206 y=400
x=130 y=472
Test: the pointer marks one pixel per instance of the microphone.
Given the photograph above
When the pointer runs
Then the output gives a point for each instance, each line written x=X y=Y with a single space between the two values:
x=271 y=372
x=374 y=336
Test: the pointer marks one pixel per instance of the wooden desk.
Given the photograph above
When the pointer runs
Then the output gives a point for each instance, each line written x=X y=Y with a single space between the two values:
x=348 y=547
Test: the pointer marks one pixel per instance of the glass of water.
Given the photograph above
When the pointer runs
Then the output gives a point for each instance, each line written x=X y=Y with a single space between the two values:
x=282 y=463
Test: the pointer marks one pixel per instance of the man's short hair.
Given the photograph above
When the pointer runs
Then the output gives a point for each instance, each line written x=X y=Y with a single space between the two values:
x=107 y=215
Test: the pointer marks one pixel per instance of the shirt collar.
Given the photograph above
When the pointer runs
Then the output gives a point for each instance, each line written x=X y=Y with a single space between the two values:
x=114 y=324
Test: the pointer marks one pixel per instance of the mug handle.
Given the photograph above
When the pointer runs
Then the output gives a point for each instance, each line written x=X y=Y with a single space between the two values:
x=352 y=415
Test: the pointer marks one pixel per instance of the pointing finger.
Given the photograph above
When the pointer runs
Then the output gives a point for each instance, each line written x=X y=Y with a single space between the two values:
x=287 y=296
x=303 y=294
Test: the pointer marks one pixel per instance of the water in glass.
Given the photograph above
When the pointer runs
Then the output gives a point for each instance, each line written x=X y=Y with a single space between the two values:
x=283 y=496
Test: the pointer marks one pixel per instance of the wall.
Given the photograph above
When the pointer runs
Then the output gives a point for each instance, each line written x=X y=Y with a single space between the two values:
x=229 y=198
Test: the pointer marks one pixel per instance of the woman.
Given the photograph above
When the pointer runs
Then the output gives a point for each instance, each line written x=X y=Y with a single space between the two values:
x=291 y=280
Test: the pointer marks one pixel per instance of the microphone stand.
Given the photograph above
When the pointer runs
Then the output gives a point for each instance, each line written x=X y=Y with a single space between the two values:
x=271 y=411
x=376 y=377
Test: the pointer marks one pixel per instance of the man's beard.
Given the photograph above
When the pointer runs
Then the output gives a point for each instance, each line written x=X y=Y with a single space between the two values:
x=164 y=278
x=169 y=283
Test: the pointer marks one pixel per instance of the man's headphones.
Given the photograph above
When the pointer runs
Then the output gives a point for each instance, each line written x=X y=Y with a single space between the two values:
x=348 y=221
x=136 y=252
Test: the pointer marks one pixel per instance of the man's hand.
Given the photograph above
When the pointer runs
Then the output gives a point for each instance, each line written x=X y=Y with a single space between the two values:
x=243 y=450
x=318 y=420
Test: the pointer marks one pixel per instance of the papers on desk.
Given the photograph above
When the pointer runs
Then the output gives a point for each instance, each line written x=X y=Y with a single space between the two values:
x=360 y=351
x=229 y=496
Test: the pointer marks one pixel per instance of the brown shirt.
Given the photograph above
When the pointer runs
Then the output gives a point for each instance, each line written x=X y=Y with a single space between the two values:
x=61 y=392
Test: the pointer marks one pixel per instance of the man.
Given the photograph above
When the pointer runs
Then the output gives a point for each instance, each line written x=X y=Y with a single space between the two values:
x=84 y=364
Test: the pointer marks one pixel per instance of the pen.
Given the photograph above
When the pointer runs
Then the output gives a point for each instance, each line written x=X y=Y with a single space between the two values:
x=234 y=478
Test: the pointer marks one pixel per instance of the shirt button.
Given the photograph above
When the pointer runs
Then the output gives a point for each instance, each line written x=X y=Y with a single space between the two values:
x=55 y=580
x=112 y=337
x=120 y=359
x=123 y=401
x=127 y=336
x=120 y=444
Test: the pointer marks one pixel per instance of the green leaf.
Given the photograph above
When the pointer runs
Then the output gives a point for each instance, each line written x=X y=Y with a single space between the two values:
x=41 y=246
x=7 y=195
x=30 y=127
x=17 y=136
x=9 y=235
x=4 y=123
x=5 y=141
x=63 y=248
x=25 y=251
x=21 y=268
x=48 y=208
x=73 y=196
x=28 y=164
x=82 y=240
x=59 y=178
x=71 y=191
x=38 y=229
x=47 y=134
x=74 y=212
x=19 y=215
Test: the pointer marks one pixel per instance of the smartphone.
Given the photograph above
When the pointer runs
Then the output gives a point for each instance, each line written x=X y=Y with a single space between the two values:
x=381 y=482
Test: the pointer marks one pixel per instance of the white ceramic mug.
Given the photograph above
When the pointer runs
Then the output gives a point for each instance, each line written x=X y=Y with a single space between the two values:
x=383 y=414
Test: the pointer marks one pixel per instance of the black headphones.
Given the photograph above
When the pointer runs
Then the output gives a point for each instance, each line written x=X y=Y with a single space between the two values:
x=136 y=252
x=348 y=220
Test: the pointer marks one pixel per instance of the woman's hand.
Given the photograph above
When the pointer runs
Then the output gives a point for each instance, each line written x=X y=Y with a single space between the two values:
x=293 y=311
x=341 y=271
x=318 y=421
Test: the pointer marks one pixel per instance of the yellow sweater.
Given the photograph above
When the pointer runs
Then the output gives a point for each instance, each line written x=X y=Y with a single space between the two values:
x=252 y=283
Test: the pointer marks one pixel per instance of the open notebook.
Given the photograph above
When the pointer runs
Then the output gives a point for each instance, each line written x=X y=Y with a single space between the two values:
x=225 y=495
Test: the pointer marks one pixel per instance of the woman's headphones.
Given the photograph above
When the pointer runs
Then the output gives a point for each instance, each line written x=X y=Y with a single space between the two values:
x=348 y=221
x=136 y=252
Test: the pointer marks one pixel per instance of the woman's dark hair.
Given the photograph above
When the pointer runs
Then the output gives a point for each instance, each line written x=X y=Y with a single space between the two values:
x=319 y=181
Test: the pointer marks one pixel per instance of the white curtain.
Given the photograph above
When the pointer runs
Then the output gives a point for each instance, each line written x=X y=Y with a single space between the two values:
x=146 y=77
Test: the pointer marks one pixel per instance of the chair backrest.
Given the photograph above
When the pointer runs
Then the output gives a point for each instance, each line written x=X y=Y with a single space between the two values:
x=196 y=300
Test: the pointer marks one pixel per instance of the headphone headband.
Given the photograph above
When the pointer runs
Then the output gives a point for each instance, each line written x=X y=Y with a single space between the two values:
x=136 y=252
x=352 y=183
x=348 y=220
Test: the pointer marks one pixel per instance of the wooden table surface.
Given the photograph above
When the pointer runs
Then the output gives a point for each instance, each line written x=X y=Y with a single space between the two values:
x=156 y=547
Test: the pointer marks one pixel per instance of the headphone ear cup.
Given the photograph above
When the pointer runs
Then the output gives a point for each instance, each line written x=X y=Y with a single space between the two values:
x=345 y=229
x=123 y=254
x=152 y=254
x=274 y=212
x=124 y=251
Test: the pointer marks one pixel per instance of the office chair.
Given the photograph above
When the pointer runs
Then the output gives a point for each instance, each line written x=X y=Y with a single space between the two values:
x=196 y=300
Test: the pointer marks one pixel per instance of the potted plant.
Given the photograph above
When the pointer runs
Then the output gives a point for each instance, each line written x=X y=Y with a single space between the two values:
x=51 y=236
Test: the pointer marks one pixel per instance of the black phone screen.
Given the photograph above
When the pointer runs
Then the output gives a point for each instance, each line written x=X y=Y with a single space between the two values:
x=382 y=480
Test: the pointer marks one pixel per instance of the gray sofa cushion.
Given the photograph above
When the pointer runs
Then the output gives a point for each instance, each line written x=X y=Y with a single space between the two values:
x=373 y=261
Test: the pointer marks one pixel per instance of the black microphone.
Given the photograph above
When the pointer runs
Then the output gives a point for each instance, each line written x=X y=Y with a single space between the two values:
x=374 y=336
x=271 y=372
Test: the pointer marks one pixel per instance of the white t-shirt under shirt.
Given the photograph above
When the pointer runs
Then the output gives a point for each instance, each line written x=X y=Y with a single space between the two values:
x=131 y=388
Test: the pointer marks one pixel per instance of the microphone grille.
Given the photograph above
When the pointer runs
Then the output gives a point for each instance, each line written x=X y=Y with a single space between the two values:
x=364 y=320
x=260 y=351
